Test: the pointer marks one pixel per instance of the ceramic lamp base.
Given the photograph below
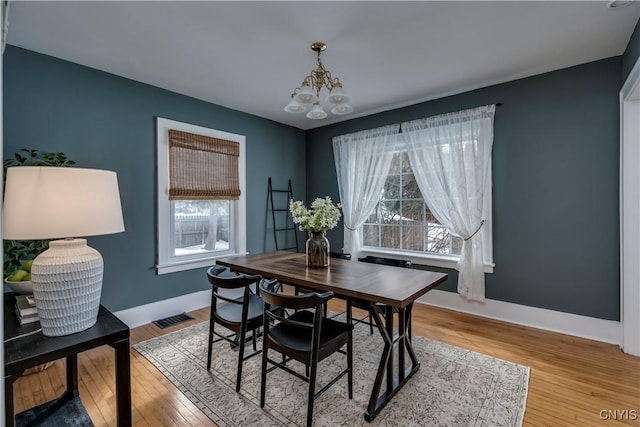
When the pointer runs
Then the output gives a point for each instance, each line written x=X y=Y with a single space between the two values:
x=67 y=283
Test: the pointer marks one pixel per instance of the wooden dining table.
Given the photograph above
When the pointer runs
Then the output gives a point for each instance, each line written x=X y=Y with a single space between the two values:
x=387 y=290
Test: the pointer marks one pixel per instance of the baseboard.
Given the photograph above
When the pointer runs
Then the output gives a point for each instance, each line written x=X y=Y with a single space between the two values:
x=143 y=314
x=565 y=323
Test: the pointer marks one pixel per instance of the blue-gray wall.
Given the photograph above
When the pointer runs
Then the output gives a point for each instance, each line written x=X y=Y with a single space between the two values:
x=555 y=172
x=108 y=122
x=631 y=53
x=555 y=185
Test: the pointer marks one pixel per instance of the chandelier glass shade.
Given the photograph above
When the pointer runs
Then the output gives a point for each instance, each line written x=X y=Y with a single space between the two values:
x=317 y=112
x=306 y=97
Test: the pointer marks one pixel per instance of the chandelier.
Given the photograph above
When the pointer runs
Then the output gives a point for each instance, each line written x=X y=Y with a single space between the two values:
x=308 y=94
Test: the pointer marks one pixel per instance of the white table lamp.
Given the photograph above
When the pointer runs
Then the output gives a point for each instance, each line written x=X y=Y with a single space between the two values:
x=62 y=203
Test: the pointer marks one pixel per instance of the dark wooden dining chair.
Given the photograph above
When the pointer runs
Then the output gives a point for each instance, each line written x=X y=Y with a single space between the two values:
x=340 y=255
x=365 y=305
x=240 y=314
x=386 y=261
x=305 y=336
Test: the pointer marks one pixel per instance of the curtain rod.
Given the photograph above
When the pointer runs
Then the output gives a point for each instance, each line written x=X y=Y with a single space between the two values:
x=497 y=104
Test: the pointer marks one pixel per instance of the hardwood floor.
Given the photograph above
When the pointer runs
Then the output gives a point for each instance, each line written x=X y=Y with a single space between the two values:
x=572 y=379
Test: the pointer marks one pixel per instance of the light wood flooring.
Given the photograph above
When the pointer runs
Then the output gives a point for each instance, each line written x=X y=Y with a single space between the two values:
x=572 y=379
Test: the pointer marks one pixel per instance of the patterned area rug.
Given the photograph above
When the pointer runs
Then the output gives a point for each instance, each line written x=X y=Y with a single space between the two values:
x=453 y=387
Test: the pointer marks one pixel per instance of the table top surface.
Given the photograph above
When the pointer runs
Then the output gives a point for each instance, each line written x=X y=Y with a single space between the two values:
x=376 y=283
x=32 y=350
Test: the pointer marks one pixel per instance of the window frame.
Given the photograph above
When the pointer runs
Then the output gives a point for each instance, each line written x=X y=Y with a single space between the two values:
x=441 y=260
x=167 y=262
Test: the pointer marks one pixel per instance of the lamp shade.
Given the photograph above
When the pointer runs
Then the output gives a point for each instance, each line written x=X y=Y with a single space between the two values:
x=337 y=96
x=305 y=95
x=342 y=109
x=43 y=202
x=316 y=112
x=295 y=107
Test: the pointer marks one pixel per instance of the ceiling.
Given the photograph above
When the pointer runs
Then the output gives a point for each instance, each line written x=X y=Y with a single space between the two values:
x=249 y=56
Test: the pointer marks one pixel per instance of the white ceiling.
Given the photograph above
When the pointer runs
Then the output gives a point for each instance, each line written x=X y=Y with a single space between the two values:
x=249 y=56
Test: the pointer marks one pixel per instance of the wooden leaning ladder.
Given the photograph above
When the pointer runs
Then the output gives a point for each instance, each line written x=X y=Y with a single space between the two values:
x=288 y=219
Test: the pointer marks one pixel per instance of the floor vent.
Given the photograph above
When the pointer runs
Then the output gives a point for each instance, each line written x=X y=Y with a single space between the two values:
x=173 y=320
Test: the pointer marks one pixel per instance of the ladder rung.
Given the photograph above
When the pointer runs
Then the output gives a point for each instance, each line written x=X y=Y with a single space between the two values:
x=281 y=210
x=285 y=229
x=279 y=191
x=288 y=249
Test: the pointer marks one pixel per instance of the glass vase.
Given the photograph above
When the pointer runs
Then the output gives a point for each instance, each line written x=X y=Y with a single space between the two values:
x=317 y=250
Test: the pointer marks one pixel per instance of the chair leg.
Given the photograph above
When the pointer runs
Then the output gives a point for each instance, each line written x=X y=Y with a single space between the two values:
x=370 y=323
x=243 y=336
x=350 y=365
x=263 y=380
x=312 y=391
x=211 y=327
x=234 y=345
x=255 y=348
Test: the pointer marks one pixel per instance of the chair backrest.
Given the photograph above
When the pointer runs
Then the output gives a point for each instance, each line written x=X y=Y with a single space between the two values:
x=295 y=302
x=221 y=277
x=273 y=285
x=340 y=255
x=387 y=261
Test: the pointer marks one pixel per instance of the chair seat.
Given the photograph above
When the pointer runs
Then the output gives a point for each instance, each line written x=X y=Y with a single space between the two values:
x=333 y=334
x=232 y=313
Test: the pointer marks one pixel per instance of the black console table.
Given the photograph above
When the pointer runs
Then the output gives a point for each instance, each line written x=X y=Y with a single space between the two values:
x=35 y=349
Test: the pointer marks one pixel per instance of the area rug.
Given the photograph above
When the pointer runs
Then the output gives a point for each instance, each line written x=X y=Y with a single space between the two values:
x=453 y=387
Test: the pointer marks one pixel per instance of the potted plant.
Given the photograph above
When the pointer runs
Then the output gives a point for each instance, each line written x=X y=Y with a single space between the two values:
x=322 y=217
x=19 y=254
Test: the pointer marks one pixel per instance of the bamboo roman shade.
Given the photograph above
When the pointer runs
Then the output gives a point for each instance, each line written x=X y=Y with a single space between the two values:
x=202 y=167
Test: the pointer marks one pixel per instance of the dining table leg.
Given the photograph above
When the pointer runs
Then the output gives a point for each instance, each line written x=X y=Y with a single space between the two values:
x=385 y=324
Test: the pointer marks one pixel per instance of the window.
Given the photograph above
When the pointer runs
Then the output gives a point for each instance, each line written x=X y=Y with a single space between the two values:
x=449 y=156
x=402 y=225
x=402 y=220
x=203 y=222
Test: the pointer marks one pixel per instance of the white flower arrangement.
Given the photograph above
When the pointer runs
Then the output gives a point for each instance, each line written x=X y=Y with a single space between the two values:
x=322 y=217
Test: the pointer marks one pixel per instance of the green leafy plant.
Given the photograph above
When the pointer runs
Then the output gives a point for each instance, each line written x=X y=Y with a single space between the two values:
x=17 y=252
x=30 y=157
x=323 y=215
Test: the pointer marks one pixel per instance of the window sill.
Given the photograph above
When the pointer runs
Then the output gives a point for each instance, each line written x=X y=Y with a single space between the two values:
x=173 y=267
x=443 y=261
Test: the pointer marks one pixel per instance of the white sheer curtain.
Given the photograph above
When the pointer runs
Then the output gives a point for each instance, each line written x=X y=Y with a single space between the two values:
x=362 y=163
x=450 y=156
x=4 y=7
